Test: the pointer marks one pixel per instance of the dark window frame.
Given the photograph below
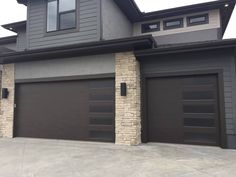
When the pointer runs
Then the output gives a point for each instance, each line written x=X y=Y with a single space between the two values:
x=58 y=30
x=181 y=25
x=206 y=15
x=151 y=30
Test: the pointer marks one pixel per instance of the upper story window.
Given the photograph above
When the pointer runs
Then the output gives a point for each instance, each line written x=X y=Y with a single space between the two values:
x=61 y=15
x=198 y=19
x=150 y=27
x=174 y=23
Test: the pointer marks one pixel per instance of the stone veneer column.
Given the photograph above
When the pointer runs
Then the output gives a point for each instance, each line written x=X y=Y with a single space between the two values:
x=7 y=105
x=128 y=108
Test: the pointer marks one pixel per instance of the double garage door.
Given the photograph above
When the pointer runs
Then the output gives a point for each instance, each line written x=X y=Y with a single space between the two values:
x=76 y=110
x=183 y=110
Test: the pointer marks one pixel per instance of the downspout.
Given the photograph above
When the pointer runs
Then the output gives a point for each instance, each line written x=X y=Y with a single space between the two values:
x=101 y=21
x=231 y=142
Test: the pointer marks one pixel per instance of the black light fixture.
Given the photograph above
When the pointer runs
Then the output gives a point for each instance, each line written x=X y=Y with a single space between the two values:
x=5 y=93
x=123 y=89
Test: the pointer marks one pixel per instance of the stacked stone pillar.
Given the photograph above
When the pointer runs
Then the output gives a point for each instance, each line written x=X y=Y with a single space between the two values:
x=128 y=109
x=7 y=105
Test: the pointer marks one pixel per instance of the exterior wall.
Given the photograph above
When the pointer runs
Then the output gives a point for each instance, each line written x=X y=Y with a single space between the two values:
x=78 y=66
x=21 y=40
x=114 y=23
x=88 y=25
x=7 y=105
x=223 y=60
x=214 y=23
x=195 y=36
x=128 y=109
x=11 y=46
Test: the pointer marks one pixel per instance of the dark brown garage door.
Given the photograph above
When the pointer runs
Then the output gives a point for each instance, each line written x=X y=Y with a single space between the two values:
x=183 y=110
x=75 y=110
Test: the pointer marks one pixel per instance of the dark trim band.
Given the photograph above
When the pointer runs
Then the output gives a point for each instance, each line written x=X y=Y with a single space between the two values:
x=189 y=47
x=66 y=78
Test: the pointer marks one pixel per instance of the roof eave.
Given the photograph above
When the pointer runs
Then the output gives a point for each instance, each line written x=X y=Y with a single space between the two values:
x=8 y=40
x=221 y=44
x=92 y=48
x=22 y=2
x=133 y=13
x=226 y=13
x=15 y=26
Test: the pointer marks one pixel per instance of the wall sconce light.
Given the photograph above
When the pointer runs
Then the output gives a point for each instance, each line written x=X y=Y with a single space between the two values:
x=123 y=89
x=5 y=93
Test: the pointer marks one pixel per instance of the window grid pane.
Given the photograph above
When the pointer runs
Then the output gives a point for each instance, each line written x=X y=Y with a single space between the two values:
x=198 y=20
x=150 y=27
x=52 y=16
x=67 y=20
x=172 y=24
x=66 y=5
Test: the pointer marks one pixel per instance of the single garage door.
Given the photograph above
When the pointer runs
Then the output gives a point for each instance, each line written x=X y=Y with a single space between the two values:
x=183 y=110
x=75 y=110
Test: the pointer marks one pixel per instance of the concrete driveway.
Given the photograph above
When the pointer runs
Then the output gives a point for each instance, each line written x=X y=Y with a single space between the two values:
x=56 y=158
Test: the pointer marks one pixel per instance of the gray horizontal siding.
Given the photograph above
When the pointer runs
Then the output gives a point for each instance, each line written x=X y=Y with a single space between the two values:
x=88 y=25
x=200 y=62
x=21 y=40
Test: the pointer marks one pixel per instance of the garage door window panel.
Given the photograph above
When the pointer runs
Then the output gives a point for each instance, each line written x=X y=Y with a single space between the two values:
x=200 y=138
x=198 y=95
x=101 y=135
x=199 y=122
x=198 y=108
x=101 y=108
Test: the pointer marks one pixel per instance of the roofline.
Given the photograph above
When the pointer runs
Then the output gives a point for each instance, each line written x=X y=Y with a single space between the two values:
x=182 y=48
x=130 y=9
x=132 y=6
x=15 y=26
x=8 y=40
x=22 y=2
x=187 y=9
x=133 y=13
x=91 y=48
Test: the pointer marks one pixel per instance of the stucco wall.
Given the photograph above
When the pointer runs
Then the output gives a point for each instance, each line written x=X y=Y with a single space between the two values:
x=187 y=37
x=114 y=23
x=78 y=66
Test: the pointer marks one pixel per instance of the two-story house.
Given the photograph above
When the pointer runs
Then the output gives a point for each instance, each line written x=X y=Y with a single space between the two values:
x=101 y=70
